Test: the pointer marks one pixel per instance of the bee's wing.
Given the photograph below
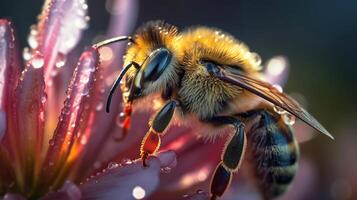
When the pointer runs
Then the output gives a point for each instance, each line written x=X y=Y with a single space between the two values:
x=271 y=94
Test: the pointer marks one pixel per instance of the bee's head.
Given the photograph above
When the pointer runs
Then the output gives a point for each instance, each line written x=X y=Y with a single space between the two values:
x=153 y=54
x=153 y=75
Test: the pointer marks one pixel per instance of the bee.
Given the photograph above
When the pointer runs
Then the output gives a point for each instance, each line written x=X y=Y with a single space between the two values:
x=213 y=80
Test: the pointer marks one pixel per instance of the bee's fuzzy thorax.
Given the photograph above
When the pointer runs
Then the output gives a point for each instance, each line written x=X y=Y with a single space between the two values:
x=203 y=94
x=216 y=45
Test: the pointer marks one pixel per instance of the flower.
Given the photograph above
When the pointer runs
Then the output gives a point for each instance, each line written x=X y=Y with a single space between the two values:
x=40 y=156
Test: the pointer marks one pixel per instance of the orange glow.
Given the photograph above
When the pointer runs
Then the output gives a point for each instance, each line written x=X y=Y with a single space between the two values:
x=195 y=177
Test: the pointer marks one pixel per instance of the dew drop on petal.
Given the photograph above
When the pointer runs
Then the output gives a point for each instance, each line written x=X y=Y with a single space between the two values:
x=26 y=54
x=279 y=110
x=84 y=140
x=85 y=79
x=53 y=74
x=44 y=98
x=32 y=40
x=199 y=191
x=99 y=106
x=127 y=162
x=60 y=60
x=113 y=165
x=138 y=192
x=37 y=61
x=166 y=170
x=288 y=119
x=120 y=119
x=102 y=90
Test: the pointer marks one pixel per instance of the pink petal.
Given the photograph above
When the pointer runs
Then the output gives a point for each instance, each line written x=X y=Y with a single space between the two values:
x=127 y=181
x=10 y=63
x=30 y=99
x=69 y=191
x=197 y=159
x=74 y=113
x=9 y=74
x=59 y=29
x=57 y=32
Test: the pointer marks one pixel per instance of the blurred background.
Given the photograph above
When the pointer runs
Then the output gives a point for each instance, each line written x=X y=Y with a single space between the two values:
x=319 y=37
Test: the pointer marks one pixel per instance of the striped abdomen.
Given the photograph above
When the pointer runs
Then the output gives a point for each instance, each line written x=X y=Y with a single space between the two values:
x=273 y=153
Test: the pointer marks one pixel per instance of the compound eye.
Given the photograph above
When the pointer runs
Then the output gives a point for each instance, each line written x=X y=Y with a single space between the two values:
x=211 y=67
x=156 y=64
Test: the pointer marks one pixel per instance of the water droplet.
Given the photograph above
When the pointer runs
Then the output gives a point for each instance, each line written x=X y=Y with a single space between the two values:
x=186 y=196
x=289 y=119
x=200 y=192
x=279 y=110
x=54 y=73
x=127 y=161
x=166 y=170
x=32 y=40
x=44 y=98
x=85 y=79
x=60 y=60
x=51 y=142
x=102 y=90
x=138 y=192
x=120 y=119
x=37 y=61
x=26 y=54
x=84 y=140
x=99 y=107
x=113 y=165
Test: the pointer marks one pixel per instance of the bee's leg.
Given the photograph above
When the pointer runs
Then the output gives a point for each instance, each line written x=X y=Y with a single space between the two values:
x=231 y=158
x=151 y=141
